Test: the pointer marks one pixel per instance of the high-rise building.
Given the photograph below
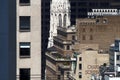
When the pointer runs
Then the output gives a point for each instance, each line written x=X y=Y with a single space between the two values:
x=28 y=40
x=7 y=39
x=79 y=8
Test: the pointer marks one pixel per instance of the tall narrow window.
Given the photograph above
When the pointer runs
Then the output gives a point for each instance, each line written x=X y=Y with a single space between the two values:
x=73 y=37
x=60 y=20
x=24 y=73
x=24 y=49
x=83 y=30
x=80 y=66
x=24 y=23
x=91 y=37
x=64 y=23
x=83 y=37
x=68 y=47
x=24 y=2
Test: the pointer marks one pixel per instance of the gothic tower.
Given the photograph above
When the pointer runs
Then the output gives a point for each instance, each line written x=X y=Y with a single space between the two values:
x=59 y=17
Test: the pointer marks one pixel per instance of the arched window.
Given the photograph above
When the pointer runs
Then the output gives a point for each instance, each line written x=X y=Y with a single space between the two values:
x=60 y=20
x=65 y=16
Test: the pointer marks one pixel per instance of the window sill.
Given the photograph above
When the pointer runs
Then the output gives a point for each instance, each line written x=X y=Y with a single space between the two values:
x=24 y=30
x=25 y=57
x=24 y=4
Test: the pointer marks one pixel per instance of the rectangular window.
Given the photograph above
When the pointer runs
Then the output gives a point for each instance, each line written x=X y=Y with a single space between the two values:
x=91 y=37
x=118 y=57
x=83 y=30
x=24 y=23
x=80 y=66
x=24 y=73
x=80 y=74
x=80 y=58
x=68 y=47
x=24 y=49
x=59 y=77
x=24 y=2
x=73 y=37
x=83 y=37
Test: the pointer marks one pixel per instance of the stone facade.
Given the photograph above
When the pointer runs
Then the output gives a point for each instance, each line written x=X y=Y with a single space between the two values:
x=100 y=30
x=88 y=61
x=31 y=62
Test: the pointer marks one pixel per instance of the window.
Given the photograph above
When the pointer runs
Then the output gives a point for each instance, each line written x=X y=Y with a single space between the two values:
x=80 y=66
x=104 y=21
x=118 y=57
x=24 y=23
x=91 y=30
x=73 y=37
x=64 y=23
x=68 y=47
x=83 y=37
x=24 y=49
x=91 y=37
x=80 y=58
x=24 y=2
x=60 y=20
x=83 y=30
x=59 y=77
x=25 y=74
x=80 y=76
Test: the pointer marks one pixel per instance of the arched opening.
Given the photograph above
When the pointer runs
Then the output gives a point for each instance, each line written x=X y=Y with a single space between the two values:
x=65 y=16
x=60 y=20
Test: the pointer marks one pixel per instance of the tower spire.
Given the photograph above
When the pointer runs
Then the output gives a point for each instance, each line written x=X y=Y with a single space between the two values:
x=59 y=16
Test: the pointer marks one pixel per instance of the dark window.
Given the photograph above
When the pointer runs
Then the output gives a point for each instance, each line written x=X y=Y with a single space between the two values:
x=91 y=30
x=25 y=74
x=80 y=66
x=59 y=77
x=68 y=47
x=24 y=23
x=83 y=37
x=97 y=21
x=73 y=37
x=91 y=37
x=24 y=2
x=24 y=49
x=80 y=76
x=83 y=30
x=118 y=57
x=80 y=58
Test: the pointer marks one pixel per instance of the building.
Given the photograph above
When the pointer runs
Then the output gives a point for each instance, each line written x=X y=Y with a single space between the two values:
x=88 y=61
x=28 y=40
x=59 y=57
x=45 y=23
x=115 y=56
x=102 y=30
x=112 y=72
x=8 y=39
x=59 y=16
x=79 y=8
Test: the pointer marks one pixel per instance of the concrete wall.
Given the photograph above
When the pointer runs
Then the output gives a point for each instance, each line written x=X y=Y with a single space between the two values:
x=34 y=36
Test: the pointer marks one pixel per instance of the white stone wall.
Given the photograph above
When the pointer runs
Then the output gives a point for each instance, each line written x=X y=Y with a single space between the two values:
x=34 y=36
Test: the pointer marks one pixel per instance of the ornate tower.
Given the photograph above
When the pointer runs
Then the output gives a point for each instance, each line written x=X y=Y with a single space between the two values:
x=59 y=17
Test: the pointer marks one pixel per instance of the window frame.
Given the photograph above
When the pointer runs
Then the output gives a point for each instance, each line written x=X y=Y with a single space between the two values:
x=24 y=3
x=22 y=28
x=25 y=75
x=21 y=55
